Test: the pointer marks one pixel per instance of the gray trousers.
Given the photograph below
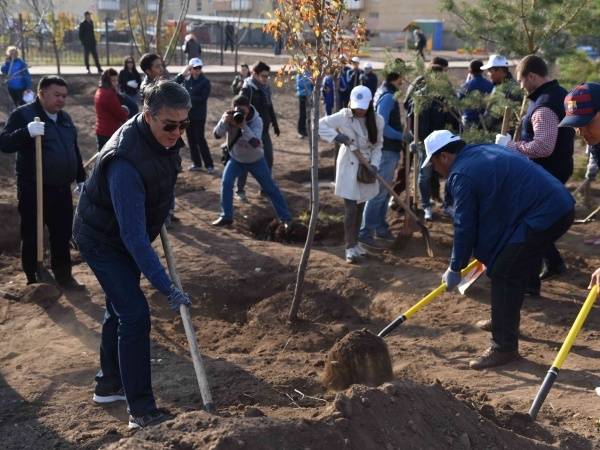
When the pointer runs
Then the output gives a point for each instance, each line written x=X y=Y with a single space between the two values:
x=352 y=218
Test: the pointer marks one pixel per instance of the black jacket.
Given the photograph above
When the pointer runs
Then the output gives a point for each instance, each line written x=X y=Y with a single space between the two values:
x=199 y=90
x=86 y=34
x=560 y=162
x=61 y=157
x=262 y=104
x=158 y=168
x=125 y=76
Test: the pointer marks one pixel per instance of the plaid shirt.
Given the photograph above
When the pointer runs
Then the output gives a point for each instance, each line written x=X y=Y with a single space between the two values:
x=545 y=132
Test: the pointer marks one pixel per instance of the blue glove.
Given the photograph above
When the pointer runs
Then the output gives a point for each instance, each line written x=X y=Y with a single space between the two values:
x=342 y=139
x=177 y=298
x=451 y=278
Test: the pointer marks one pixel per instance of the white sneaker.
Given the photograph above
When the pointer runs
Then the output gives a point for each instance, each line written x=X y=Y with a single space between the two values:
x=360 y=250
x=352 y=255
x=597 y=391
x=428 y=213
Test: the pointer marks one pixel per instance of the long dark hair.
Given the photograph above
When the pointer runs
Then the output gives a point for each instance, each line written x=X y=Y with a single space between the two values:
x=129 y=58
x=371 y=122
x=105 y=78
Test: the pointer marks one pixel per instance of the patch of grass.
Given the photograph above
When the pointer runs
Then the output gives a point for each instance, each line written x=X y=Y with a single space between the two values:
x=324 y=217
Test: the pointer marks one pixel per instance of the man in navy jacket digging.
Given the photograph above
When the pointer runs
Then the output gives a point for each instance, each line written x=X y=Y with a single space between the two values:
x=121 y=210
x=508 y=210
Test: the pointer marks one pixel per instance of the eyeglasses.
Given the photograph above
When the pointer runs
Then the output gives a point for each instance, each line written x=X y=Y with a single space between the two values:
x=197 y=68
x=170 y=127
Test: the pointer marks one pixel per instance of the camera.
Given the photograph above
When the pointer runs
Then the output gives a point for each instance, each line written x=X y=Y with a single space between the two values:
x=238 y=115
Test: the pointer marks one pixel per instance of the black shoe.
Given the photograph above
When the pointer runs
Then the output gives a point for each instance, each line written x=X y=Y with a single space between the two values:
x=103 y=396
x=70 y=283
x=549 y=272
x=31 y=278
x=222 y=222
x=532 y=292
x=152 y=418
x=175 y=219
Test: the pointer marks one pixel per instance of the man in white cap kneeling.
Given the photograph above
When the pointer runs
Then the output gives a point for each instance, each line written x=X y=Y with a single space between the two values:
x=507 y=211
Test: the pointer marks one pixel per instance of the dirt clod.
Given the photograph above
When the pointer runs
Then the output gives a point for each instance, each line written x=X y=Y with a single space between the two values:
x=359 y=357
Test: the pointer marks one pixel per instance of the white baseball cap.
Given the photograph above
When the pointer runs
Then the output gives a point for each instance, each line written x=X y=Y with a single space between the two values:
x=436 y=141
x=360 y=97
x=355 y=59
x=368 y=65
x=196 y=62
x=495 y=61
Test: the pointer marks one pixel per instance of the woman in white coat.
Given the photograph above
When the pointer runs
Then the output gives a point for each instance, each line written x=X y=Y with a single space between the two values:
x=357 y=128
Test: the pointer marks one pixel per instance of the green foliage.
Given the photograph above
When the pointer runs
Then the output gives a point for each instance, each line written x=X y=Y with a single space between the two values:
x=517 y=27
x=577 y=68
x=397 y=65
x=474 y=135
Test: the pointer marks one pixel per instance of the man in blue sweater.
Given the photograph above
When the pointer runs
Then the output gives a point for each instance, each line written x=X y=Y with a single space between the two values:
x=507 y=211
x=121 y=210
x=394 y=137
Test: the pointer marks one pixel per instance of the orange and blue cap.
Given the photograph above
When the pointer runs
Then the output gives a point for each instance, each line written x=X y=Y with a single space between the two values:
x=581 y=105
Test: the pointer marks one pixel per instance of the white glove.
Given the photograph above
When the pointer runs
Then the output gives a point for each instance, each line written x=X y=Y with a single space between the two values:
x=79 y=188
x=503 y=139
x=35 y=129
x=132 y=84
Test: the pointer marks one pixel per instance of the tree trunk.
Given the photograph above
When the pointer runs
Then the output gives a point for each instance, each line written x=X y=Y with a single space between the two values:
x=158 y=26
x=56 y=54
x=314 y=207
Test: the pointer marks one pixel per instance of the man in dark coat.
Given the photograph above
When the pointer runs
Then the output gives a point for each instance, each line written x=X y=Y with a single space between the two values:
x=61 y=166
x=122 y=208
x=88 y=40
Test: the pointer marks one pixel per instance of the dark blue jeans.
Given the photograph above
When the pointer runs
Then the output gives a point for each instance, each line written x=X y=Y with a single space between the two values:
x=260 y=171
x=125 y=341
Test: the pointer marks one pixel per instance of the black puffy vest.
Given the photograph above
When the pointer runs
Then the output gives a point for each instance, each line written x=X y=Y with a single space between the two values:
x=394 y=121
x=157 y=166
x=560 y=162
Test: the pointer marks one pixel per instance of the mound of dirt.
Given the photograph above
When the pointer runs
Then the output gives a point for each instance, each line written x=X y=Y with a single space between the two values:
x=402 y=414
x=317 y=306
x=359 y=357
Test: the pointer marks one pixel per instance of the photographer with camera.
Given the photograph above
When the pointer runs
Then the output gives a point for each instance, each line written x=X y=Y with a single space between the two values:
x=243 y=127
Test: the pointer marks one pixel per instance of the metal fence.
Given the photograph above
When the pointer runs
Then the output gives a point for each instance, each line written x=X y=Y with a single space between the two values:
x=114 y=42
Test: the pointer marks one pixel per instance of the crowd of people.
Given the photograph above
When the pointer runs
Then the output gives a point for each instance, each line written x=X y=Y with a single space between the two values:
x=510 y=224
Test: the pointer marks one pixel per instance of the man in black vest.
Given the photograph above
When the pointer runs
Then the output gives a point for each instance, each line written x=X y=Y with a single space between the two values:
x=121 y=211
x=88 y=40
x=543 y=141
x=61 y=167
x=394 y=137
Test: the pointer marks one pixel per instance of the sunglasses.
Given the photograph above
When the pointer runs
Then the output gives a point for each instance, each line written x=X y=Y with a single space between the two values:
x=170 y=127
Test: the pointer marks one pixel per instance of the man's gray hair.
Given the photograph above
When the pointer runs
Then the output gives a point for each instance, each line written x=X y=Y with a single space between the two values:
x=165 y=94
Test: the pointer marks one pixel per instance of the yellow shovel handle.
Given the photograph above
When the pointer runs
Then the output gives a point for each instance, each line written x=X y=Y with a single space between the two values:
x=437 y=292
x=576 y=328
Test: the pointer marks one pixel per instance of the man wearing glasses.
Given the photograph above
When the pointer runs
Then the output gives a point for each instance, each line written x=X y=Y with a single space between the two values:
x=120 y=212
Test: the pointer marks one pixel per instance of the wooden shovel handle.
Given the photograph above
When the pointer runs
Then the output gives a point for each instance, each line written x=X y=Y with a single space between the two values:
x=39 y=185
x=188 y=327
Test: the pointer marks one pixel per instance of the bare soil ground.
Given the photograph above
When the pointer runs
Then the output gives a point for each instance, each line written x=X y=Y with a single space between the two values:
x=264 y=373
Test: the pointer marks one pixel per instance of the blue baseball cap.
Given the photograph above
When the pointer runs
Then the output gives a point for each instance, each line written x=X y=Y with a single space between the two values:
x=581 y=105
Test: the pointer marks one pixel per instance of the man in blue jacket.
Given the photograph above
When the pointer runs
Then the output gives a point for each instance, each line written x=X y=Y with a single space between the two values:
x=507 y=211
x=121 y=210
x=198 y=86
x=394 y=137
x=475 y=83
x=61 y=167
